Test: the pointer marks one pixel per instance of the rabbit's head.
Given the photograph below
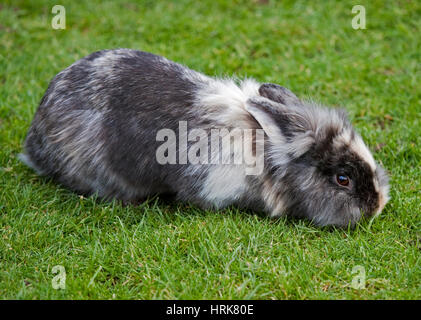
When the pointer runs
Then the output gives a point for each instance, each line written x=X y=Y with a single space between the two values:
x=317 y=166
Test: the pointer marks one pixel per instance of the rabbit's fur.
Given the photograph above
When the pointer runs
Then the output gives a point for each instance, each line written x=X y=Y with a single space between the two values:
x=96 y=128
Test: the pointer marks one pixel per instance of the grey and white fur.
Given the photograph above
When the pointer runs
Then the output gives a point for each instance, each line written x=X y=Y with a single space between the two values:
x=95 y=132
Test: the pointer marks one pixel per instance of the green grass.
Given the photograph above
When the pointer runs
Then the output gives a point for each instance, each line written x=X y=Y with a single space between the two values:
x=171 y=250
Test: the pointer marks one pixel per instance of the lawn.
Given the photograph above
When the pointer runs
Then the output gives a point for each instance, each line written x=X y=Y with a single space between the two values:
x=164 y=250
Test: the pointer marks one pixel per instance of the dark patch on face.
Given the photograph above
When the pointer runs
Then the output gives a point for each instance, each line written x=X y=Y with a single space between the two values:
x=331 y=161
x=321 y=149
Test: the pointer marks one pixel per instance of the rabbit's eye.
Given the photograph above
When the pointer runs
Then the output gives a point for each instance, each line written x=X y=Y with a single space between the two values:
x=342 y=180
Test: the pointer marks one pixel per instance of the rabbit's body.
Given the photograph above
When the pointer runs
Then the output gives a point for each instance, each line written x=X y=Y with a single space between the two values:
x=97 y=131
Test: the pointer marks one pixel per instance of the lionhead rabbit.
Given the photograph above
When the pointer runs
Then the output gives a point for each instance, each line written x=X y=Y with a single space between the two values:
x=127 y=124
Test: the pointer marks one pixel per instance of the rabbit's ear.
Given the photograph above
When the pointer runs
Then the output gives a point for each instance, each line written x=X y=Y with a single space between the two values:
x=279 y=94
x=264 y=112
x=288 y=128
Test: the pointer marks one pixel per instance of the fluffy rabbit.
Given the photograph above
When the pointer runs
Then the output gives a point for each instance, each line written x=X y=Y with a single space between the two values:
x=103 y=119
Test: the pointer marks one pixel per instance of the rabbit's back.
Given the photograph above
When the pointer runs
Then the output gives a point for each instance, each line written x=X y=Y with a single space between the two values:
x=95 y=129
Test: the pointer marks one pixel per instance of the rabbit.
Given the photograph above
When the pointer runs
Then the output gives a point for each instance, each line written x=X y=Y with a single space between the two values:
x=102 y=120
